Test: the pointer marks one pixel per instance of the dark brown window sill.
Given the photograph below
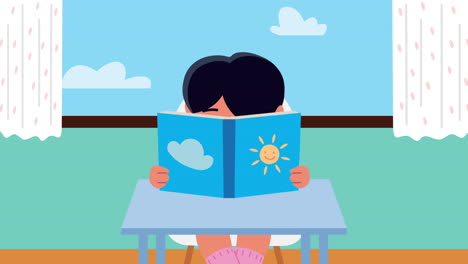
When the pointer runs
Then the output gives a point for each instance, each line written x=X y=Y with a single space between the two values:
x=151 y=122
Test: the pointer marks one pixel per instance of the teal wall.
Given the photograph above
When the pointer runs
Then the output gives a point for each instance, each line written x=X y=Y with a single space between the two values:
x=73 y=192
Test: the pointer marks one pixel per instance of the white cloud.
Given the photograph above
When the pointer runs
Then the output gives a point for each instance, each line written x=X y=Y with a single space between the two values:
x=291 y=23
x=111 y=76
x=191 y=154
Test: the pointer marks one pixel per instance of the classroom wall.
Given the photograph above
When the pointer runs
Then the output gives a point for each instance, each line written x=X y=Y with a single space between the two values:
x=73 y=192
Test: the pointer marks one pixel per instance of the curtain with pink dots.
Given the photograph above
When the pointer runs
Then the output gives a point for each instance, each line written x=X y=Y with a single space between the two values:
x=430 y=68
x=31 y=68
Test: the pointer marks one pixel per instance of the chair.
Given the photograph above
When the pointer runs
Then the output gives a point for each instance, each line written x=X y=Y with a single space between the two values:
x=276 y=242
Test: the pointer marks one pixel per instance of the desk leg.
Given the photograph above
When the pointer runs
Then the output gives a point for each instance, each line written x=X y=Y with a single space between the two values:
x=323 y=249
x=143 y=249
x=305 y=249
x=160 y=248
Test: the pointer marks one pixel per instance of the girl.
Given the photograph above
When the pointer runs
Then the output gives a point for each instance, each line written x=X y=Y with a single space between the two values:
x=243 y=84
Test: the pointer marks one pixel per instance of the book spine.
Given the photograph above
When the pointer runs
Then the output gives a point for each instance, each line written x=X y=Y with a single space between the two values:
x=229 y=155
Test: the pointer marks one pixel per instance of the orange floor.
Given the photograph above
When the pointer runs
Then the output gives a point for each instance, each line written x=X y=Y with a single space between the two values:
x=120 y=256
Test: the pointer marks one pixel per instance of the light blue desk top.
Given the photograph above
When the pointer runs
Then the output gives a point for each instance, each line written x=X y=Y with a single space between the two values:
x=312 y=210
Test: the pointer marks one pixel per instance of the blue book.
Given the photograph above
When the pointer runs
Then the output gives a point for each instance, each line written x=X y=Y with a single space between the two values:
x=229 y=157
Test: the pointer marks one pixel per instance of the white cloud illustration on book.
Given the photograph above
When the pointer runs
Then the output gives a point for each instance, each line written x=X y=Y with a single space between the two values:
x=190 y=153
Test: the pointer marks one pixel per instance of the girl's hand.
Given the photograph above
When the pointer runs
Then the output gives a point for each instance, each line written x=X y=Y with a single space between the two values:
x=300 y=176
x=158 y=176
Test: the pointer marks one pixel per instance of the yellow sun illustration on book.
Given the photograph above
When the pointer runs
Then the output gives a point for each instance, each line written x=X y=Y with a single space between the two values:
x=269 y=154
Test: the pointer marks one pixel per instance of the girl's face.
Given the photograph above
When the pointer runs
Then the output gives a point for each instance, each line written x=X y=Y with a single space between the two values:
x=218 y=109
x=221 y=109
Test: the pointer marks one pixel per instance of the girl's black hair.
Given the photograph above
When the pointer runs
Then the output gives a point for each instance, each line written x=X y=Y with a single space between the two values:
x=249 y=83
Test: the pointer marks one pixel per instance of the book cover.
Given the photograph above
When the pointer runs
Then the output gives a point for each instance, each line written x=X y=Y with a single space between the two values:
x=229 y=157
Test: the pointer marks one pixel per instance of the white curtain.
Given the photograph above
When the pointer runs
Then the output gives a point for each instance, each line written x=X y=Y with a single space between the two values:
x=31 y=68
x=430 y=68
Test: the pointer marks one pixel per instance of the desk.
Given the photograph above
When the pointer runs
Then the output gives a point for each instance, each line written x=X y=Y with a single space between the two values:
x=309 y=211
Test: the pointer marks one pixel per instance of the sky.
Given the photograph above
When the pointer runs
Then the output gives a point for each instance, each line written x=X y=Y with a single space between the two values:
x=347 y=71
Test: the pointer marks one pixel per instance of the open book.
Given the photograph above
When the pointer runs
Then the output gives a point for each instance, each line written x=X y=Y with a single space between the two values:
x=229 y=156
